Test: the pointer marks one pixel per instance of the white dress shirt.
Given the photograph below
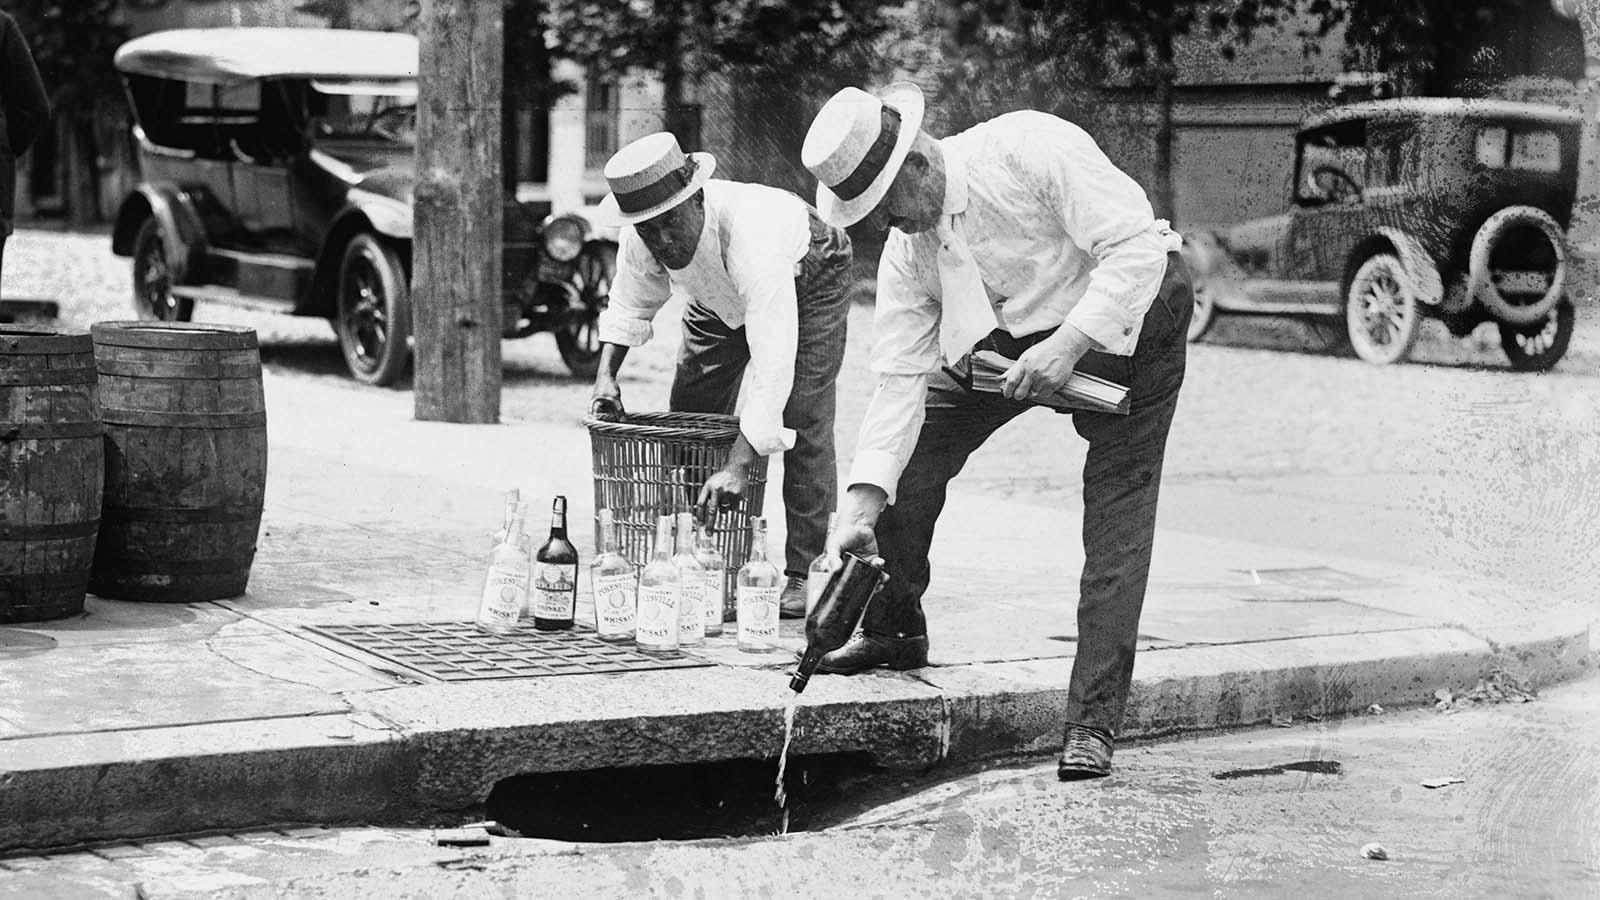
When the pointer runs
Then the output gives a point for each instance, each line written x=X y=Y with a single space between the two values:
x=1039 y=228
x=743 y=272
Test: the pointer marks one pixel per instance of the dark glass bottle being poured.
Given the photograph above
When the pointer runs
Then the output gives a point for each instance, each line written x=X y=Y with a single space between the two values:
x=555 y=575
x=838 y=611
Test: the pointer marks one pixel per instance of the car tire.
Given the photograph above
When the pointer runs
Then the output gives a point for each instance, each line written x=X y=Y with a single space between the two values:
x=1538 y=347
x=152 y=277
x=1381 y=312
x=1491 y=233
x=579 y=340
x=373 y=316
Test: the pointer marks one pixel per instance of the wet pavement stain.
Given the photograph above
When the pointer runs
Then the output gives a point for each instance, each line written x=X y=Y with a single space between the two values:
x=1314 y=766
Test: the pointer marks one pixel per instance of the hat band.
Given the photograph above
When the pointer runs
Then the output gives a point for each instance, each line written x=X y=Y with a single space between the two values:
x=656 y=192
x=873 y=161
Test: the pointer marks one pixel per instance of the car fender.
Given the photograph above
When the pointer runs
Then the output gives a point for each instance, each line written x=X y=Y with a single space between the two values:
x=1212 y=270
x=1425 y=278
x=353 y=220
x=179 y=219
x=389 y=217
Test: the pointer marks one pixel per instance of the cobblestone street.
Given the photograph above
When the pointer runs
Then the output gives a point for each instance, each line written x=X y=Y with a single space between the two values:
x=1451 y=461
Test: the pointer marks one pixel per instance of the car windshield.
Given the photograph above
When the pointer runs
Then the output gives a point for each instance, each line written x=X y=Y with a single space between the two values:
x=369 y=113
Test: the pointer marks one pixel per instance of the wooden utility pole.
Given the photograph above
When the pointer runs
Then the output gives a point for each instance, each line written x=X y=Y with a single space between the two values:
x=456 y=261
x=1584 y=232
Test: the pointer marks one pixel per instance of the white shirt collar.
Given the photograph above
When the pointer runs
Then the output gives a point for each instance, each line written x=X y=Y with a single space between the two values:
x=955 y=179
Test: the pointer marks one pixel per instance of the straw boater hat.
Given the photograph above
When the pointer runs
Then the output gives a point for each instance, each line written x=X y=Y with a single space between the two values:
x=854 y=156
x=650 y=176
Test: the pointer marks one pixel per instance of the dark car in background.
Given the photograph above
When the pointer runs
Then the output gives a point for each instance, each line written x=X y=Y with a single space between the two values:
x=1449 y=208
x=277 y=170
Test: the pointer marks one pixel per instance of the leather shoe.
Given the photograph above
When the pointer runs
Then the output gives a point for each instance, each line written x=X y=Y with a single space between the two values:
x=792 y=602
x=1086 y=753
x=868 y=651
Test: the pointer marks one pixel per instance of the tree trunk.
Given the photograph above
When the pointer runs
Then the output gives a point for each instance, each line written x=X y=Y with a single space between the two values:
x=1585 y=227
x=458 y=212
x=82 y=172
x=1161 y=194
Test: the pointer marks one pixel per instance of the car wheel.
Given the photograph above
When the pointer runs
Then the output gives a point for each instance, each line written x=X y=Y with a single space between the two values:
x=1205 y=311
x=1381 y=313
x=374 y=317
x=152 y=278
x=578 y=339
x=1538 y=347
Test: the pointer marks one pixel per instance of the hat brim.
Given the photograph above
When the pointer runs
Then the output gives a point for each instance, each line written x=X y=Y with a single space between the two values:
x=907 y=98
x=608 y=213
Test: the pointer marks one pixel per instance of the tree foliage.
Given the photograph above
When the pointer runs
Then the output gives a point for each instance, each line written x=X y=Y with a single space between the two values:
x=73 y=42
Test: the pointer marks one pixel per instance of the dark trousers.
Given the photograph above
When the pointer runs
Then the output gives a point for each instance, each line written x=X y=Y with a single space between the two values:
x=1121 y=481
x=712 y=361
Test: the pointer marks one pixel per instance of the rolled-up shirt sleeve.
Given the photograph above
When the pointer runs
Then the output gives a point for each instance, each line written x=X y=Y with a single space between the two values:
x=638 y=291
x=1107 y=215
x=905 y=353
x=764 y=277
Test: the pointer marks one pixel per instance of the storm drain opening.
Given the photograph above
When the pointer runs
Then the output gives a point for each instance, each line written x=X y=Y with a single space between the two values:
x=727 y=799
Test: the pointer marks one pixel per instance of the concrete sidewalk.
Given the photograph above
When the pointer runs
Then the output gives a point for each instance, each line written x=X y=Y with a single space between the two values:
x=148 y=719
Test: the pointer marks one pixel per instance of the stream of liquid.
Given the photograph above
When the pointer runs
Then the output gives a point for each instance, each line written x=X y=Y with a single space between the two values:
x=783 y=758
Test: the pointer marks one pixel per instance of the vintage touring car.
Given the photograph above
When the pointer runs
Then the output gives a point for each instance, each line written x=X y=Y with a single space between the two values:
x=277 y=169
x=1449 y=208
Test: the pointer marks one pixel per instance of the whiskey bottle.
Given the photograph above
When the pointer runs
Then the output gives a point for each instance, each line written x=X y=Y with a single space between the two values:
x=820 y=570
x=615 y=580
x=555 y=575
x=759 y=585
x=656 y=631
x=691 y=616
x=505 y=585
x=715 y=599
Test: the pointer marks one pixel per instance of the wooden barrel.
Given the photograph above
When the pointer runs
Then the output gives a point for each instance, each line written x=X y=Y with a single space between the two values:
x=186 y=460
x=51 y=465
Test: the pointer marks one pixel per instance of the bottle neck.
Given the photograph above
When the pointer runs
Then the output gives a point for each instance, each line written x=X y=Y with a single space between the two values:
x=664 y=540
x=758 y=542
x=608 y=533
x=685 y=537
x=558 y=519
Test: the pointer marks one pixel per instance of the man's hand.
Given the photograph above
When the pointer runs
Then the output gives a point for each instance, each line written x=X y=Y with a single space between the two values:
x=1042 y=369
x=607 y=398
x=858 y=516
x=721 y=491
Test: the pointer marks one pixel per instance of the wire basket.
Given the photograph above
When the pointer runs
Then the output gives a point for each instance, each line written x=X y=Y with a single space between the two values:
x=648 y=465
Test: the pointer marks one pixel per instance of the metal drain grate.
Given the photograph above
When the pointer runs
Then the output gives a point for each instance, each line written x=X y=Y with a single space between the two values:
x=458 y=651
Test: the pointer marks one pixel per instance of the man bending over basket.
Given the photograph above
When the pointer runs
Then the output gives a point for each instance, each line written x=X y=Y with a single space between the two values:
x=764 y=279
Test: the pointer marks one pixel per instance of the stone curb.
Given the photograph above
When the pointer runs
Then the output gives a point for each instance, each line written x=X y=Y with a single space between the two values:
x=412 y=753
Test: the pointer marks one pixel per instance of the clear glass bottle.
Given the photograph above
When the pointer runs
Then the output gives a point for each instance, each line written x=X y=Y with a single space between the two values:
x=555 y=575
x=513 y=500
x=656 y=631
x=820 y=570
x=691 y=615
x=615 y=580
x=715 y=599
x=505 y=585
x=759 y=585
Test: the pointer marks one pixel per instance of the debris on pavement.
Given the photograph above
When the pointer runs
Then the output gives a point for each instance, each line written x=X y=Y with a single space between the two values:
x=1499 y=687
x=461 y=837
x=1443 y=782
x=1374 y=851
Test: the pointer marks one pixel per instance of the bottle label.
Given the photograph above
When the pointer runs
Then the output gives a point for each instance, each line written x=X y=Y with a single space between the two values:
x=758 y=614
x=713 y=601
x=615 y=603
x=691 y=616
x=658 y=616
x=555 y=588
x=505 y=592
